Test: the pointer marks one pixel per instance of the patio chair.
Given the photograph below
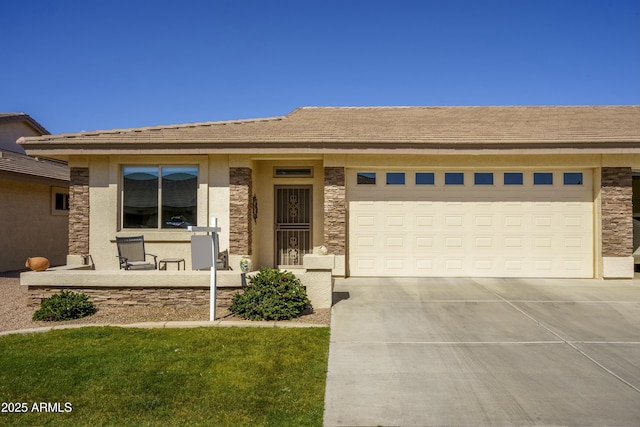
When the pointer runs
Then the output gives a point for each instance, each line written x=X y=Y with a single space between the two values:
x=132 y=254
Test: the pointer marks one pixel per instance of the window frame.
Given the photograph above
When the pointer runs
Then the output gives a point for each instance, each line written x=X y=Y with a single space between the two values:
x=567 y=174
x=55 y=191
x=477 y=175
x=452 y=175
x=373 y=176
x=395 y=175
x=293 y=171
x=512 y=174
x=432 y=175
x=159 y=168
x=541 y=174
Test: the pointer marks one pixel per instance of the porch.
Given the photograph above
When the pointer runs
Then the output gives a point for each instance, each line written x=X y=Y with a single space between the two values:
x=167 y=288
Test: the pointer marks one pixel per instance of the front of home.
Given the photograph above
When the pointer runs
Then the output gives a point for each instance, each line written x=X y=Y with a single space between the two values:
x=389 y=191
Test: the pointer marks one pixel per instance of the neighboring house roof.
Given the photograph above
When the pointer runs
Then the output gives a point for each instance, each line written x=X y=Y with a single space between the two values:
x=20 y=164
x=22 y=117
x=340 y=128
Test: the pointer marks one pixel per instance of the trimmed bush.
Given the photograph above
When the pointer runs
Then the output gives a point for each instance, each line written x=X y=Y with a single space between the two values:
x=271 y=295
x=65 y=305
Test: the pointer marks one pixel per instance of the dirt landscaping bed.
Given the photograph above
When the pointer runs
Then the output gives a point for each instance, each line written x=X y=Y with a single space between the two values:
x=15 y=313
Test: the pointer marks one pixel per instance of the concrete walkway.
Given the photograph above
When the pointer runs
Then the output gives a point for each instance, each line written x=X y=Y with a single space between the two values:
x=484 y=352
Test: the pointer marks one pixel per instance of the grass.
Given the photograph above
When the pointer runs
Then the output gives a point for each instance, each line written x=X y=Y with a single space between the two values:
x=168 y=377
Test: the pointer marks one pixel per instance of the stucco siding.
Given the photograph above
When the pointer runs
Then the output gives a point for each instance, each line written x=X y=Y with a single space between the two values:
x=11 y=132
x=105 y=214
x=26 y=212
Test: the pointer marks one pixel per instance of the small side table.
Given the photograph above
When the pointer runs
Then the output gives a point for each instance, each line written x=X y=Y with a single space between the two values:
x=162 y=264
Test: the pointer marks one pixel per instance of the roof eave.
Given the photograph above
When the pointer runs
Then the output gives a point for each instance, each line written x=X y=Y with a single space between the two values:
x=60 y=150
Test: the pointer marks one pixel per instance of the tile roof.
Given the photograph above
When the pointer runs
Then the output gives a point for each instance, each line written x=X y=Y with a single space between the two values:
x=26 y=165
x=383 y=127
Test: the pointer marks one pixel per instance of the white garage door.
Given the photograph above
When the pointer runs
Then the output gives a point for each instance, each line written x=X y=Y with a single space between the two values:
x=468 y=223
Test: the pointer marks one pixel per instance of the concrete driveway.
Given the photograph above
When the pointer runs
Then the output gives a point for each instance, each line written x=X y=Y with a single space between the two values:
x=484 y=352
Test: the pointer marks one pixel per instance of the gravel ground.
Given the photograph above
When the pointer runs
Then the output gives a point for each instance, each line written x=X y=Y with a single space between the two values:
x=14 y=313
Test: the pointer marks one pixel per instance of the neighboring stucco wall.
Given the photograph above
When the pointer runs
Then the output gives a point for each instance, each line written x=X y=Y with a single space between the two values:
x=30 y=228
x=10 y=132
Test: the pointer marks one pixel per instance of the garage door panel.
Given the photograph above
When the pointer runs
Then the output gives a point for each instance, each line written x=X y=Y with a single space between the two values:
x=483 y=221
x=499 y=231
x=424 y=221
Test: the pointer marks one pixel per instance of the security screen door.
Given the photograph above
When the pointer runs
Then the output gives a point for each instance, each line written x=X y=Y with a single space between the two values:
x=293 y=224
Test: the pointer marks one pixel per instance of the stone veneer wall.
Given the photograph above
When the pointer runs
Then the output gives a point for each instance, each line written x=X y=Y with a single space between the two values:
x=151 y=297
x=617 y=212
x=79 y=211
x=335 y=210
x=240 y=206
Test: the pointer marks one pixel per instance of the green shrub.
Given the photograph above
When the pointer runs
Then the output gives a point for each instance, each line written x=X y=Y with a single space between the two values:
x=271 y=295
x=65 y=305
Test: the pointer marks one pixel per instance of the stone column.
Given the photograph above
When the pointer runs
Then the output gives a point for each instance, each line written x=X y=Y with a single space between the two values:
x=240 y=208
x=617 y=222
x=79 y=211
x=335 y=216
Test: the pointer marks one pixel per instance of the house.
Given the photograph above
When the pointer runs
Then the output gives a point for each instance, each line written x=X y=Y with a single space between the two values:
x=33 y=198
x=523 y=191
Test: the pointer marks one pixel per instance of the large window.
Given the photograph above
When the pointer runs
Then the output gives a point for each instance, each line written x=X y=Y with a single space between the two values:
x=159 y=196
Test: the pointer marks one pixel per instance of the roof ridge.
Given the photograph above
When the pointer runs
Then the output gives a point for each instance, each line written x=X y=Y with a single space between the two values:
x=159 y=127
x=14 y=117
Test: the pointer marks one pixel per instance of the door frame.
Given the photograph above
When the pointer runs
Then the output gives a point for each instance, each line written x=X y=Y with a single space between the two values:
x=309 y=249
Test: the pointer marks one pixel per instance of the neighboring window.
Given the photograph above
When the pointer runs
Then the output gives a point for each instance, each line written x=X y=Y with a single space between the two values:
x=293 y=172
x=366 y=177
x=543 y=178
x=513 y=178
x=159 y=196
x=483 y=178
x=62 y=202
x=573 y=178
x=59 y=201
x=425 y=178
x=395 y=178
x=454 y=178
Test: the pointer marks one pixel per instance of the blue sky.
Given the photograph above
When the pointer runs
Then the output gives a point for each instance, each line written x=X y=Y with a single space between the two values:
x=87 y=65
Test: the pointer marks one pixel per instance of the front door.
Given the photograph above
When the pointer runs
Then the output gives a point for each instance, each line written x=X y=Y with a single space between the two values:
x=293 y=224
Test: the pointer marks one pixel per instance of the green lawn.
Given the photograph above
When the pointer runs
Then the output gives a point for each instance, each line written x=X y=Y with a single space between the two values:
x=180 y=377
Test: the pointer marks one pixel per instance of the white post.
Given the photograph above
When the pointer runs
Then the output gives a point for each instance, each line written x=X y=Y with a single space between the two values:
x=202 y=264
x=213 y=287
